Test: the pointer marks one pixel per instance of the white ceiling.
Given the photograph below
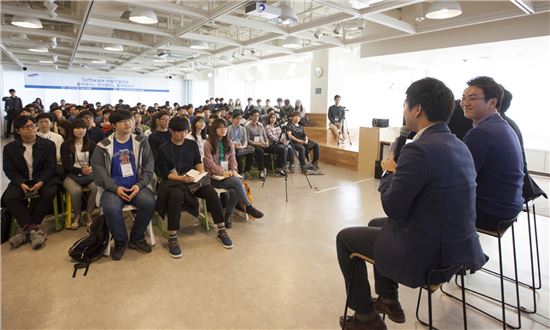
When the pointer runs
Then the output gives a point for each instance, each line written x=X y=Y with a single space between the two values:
x=83 y=28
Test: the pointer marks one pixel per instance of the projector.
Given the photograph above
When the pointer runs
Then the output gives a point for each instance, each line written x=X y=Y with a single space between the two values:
x=263 y=10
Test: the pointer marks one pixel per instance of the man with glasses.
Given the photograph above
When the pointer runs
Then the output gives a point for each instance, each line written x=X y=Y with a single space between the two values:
x=496 y=152
x=258 y=139
x=124 y=173
x=30 y=165
x=429 y=197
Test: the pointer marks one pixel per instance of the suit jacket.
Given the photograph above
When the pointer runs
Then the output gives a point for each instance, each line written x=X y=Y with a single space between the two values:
x=43 y=165
x=531 y=189
x=13 y=106
x=431 y=202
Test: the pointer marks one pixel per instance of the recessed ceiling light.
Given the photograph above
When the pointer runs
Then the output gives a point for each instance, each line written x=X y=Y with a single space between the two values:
x=443 y=10
x=26 y=22
x=46 y=61
x=160 y=60
x=197 y=44
x=292 y=42
x=39 y=49
x=101 y=61
x=114 y=47
x=143 y=16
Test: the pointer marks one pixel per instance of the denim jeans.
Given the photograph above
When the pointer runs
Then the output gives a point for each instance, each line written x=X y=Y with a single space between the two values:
x=361 y=240
x=235 y=188
x=112 y=205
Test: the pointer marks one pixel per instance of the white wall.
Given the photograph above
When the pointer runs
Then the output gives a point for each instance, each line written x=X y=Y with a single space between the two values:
x=287 y=80
x=16 y=80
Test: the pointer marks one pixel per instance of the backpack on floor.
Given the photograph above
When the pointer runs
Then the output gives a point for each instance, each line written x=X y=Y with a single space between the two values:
x=90 y=247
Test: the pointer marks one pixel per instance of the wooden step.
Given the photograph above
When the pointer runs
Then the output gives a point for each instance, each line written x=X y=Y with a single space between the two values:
x=338 y=156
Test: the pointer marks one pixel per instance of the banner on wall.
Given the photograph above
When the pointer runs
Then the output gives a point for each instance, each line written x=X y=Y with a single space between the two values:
x=98 y=83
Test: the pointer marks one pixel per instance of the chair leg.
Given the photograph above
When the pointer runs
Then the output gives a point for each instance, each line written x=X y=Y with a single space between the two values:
x=465 y=320
x=532 y=286
x=418 y=307
x=501 y=283
x=69 y=208
x=537 y=248
x=151 y=234
x=430 y=319
x=348 y=287
x=57 y=217
x=516 y=276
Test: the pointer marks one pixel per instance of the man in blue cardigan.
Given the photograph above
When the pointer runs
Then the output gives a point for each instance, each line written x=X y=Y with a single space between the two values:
x=496 y=152
x=429 y=197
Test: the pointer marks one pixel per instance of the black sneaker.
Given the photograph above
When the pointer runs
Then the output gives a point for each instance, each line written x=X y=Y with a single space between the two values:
x=118 y=251
x=174 y=248
x=225 y=240
x=250 y=210
x=141 y=246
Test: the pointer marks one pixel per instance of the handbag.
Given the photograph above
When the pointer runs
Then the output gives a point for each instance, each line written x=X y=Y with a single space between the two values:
x=82 y=180
x=194 y=186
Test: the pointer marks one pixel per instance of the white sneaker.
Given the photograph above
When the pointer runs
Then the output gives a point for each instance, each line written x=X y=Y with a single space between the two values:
x=75 y=224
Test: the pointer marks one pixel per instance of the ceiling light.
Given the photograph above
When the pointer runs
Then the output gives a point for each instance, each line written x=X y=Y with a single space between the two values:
x=210 y=75
x=114 y=47
x=46 y=61
x=143 y=16
x=524 y=5
x=53 y=42
x=443 y=10
x=26 y=22
x=292 y=42
x=198 y=44
x=101 y=61
x=288 y=15
x=361 y=4
x=161 y=60
x=39 y=49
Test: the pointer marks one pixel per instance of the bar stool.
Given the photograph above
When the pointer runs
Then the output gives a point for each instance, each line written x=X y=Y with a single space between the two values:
x=502 y=227
x=432 y=287
x=353 y=256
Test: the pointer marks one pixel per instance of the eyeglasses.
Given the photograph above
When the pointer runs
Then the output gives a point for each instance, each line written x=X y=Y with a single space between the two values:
x=31 y=126
x=471 y=99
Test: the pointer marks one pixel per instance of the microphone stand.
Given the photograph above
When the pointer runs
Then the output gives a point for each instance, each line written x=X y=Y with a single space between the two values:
x=286 y=176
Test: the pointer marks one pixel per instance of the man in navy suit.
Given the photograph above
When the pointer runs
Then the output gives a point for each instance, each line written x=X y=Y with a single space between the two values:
x=429 y=197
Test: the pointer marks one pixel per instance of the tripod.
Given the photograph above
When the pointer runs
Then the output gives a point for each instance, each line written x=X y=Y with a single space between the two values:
x=286 y=172
x=343 y=126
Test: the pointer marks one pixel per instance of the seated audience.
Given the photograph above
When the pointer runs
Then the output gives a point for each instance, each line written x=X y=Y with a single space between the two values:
x=139 y=127
x=176 y=158
x=236 y=133
x=429 y=197
x=302 y=143
x=76 y=154
x=496 y=152
x=44 y=122
x=29 y=163
x=123 y=170
x=198 y=133
x=219 y=160
x=92 y=132
x=257 y=137
x=160 y=133
x=280 y=145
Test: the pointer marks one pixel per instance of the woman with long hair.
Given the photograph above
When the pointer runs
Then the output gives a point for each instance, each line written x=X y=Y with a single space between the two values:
x=75 y=157
x=220 y=162
x=198 y=133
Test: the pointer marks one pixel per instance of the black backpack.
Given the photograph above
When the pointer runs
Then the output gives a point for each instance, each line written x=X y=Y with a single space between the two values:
x=90 y=248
